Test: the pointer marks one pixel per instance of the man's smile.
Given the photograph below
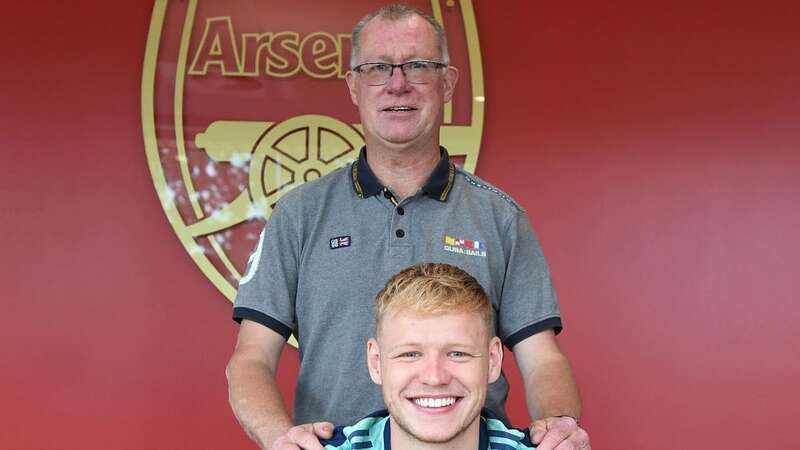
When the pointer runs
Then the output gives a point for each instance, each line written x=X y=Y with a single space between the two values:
x=435 y=402
x=399 y=108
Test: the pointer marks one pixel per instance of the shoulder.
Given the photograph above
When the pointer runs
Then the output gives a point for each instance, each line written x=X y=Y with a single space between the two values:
x=473 y=186
x=502 y=435
x=366 y=433
x=338 y=179
x=311 y=195
x=472 y=194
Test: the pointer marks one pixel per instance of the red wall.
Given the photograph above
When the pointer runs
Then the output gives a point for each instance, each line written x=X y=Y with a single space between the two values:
x=656 y=149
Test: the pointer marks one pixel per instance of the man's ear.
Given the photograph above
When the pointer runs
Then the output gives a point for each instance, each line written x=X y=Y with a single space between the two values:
x=374 y=360
x=350 y=77
x=495 y=358
x=450 y=80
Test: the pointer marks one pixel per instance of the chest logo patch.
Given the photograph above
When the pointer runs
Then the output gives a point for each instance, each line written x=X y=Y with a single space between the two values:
x=464 y=246
x=340 y=242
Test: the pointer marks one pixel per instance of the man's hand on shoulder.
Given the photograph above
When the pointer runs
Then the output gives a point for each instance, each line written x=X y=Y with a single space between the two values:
x=559 y=433
x=304 y=437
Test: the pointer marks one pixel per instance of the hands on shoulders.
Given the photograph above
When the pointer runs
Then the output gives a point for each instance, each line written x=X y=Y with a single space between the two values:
x=559 y=433
x=304 y=437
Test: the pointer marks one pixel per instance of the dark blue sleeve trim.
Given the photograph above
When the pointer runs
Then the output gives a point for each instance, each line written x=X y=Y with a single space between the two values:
x=240 y=313
x=530 y=330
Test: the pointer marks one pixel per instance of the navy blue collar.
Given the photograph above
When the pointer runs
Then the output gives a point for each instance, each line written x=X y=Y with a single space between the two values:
x=438 y=186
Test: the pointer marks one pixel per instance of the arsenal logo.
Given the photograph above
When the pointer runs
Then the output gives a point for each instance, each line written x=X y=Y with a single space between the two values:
x=243 y=100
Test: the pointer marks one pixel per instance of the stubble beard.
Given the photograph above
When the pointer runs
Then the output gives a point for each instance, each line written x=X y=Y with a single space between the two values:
x=407 y=429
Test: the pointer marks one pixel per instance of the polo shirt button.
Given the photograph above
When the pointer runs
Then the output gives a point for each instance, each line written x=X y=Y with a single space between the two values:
x=399 y=233
x=400 y=210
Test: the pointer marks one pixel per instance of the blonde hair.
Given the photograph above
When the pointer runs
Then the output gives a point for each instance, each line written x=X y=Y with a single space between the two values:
x=434 y=288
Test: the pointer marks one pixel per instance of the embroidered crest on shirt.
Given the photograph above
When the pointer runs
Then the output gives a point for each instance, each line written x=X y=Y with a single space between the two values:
x=464 y=246
x=340 y=242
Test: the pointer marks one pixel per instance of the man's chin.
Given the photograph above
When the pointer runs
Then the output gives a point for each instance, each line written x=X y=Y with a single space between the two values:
x=435 y=438
x=429 y=433
x=401 y=139
x=433 y=429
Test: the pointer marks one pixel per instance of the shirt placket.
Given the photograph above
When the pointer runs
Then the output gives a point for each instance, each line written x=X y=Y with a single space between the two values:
x=401 y=248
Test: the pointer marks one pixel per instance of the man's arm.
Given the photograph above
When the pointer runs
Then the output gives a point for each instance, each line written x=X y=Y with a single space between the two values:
x=254 y=395
x=550 y=388
x=252 y=390
x=550 y=392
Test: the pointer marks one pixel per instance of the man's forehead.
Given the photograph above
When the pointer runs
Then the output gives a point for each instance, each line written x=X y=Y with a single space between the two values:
x=405 y=38
x=409 y=326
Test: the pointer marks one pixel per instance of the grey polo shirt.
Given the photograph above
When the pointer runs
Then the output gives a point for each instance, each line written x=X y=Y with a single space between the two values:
x=330 y=246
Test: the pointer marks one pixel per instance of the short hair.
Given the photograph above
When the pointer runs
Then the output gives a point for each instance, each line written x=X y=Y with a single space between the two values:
x=394 y=13
x=434 y=288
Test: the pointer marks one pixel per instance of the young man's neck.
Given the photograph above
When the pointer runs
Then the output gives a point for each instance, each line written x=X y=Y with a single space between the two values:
x=469 y=439
x=403 y=170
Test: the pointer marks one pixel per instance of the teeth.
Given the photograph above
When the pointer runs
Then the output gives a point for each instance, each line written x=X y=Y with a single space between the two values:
x=399 y=108
x=427 y=402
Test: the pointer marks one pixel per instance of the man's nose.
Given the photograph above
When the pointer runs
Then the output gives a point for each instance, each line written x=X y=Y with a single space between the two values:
x=397 y=81
x=435 y=371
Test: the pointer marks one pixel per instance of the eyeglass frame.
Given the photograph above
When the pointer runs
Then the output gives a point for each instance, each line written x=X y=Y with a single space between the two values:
x=437 y=66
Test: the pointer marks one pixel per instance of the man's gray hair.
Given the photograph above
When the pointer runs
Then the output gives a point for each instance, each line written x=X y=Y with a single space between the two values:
x=393 y=13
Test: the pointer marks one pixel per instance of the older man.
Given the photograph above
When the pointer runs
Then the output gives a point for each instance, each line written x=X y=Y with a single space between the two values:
x=331 y=243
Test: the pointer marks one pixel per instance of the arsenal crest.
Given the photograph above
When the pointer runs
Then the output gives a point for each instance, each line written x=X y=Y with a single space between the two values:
x=242 y=101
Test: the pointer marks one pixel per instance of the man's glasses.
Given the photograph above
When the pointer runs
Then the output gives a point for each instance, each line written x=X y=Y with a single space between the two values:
x=416 y=72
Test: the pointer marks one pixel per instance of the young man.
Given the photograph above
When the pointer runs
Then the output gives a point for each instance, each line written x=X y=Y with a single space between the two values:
x=396 y=205
x=434 y=354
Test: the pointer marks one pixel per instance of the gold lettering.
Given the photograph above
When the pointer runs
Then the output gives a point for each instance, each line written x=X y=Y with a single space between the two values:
x=274 y=54
x=320 y=55
x=255 y=49
x=217 y=48
x=285 y=55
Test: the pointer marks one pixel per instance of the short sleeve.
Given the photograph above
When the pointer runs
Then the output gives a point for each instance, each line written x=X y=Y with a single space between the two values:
x=267 y=289
x=528 y=301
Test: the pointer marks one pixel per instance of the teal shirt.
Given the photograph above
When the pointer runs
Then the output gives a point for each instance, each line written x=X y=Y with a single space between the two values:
x=374 y=432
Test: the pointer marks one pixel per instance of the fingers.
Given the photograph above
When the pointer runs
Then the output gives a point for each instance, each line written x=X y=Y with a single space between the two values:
x=323 y=429
x=579 y=440
x=559 y=433
x=304 y=437
x=575 y=444
x=549 y=442
x=538 y=430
